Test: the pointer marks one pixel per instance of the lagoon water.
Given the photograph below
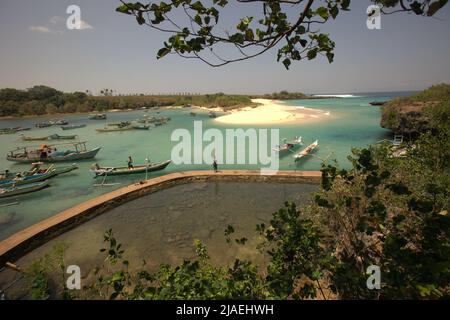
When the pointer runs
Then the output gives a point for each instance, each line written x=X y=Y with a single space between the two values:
x=352 y=123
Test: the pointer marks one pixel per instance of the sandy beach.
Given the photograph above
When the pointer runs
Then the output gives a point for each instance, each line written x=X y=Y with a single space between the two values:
x=272 y=112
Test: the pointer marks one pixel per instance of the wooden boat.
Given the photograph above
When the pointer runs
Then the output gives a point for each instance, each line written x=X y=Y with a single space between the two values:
x=58 y=137
x=119 y=124
x=377 y=103
x=25 y=138
x=60 y=122
x=37 y=177
x=306 y=151
x=73 y=126
x=115 y=129
x=288 y=146
x=49 y=153
x=97 y=116
x=27 y=188
x=43 y=125
x=115 y=171
x=141 y=127
x=212 y=114
x=7 y=131
x=12 y=130
x=36 y=168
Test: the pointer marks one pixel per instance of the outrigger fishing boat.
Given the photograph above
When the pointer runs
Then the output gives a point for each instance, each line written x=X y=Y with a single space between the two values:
x=59 y=137
x=17 y=190
x=26 y=138
x=306 y=151
x=51 y=137
x=12 y=130
x=116 y=171
x=21 y=180
x=59 y=122
x=106 y=129
x=288 y=146
x=36 y=168
x=50 y=153
x=97 y=116
x=44 y=124
x=73 y=126
x=141 y=127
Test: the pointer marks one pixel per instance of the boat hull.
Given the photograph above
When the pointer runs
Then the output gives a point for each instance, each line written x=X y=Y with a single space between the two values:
x=73 y=127
x=27 y=180
x=70 y=157
x=10 y=192
x=119 y=171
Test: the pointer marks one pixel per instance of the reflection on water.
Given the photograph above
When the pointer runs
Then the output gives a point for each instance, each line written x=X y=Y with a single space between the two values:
x=161 y=227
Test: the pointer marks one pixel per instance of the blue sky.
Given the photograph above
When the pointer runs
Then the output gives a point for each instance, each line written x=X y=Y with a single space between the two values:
x=113 y=51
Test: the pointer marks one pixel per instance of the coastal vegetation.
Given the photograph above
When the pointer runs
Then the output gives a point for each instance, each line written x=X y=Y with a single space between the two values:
x=40 y=100
x=44 y=100
x=411 y=115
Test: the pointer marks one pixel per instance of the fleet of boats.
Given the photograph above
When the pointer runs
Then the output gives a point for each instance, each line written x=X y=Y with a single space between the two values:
x=37 y=177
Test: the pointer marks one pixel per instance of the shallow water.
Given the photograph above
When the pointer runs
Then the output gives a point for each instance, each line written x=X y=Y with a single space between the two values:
x=352 y=123
x=168 y=221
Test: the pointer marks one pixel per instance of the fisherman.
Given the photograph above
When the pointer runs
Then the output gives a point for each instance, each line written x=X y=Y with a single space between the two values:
x=130 y=163
x=215 y=165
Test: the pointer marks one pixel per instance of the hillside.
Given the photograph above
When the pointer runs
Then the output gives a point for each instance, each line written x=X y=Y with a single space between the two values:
x=408 y=115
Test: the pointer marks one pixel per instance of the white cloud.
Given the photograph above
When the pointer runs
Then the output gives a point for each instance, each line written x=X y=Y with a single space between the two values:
x=56 y=20
x=85 y=25
x=59 y=24
x=40 y=29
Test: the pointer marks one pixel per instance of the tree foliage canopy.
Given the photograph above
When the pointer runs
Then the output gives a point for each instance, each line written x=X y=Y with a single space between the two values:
x=292 y=26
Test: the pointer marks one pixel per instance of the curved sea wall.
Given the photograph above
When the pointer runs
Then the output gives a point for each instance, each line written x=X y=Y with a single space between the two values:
x=32 y=237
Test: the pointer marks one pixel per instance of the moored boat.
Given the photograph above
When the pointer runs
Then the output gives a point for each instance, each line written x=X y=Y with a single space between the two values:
x=115 y=171
x=114 y=129
x=306 y=151
x=50 y=153
x=288 y=146
x=73 y=126
x=21 y=180
x=141 y=127
x=43 y=124
x=26 y=138
x=97 y=116
x=27 y=188
x=59 y=137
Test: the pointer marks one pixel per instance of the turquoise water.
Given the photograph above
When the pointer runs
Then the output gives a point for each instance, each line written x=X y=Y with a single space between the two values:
x=167 y=223
x=352 y=123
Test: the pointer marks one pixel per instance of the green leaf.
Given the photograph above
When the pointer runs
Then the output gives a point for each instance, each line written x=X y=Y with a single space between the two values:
x=287 y=63
x=312 y=54
x=334 y=11
x=124 y=9
x=162 y=52
x=322 y=12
